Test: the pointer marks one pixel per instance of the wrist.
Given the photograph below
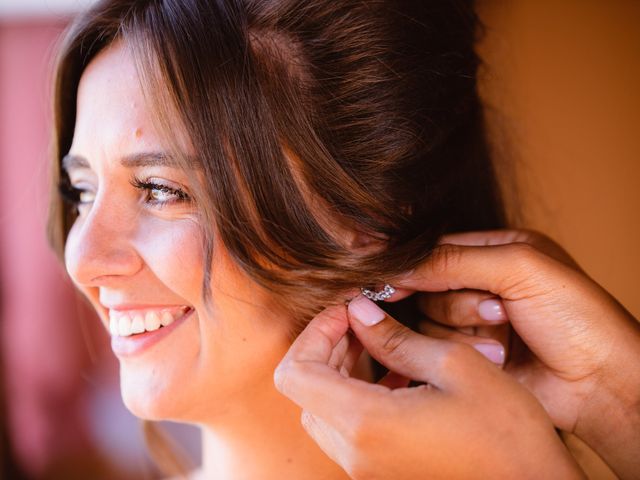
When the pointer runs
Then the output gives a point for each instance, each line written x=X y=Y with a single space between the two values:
x=609 y=421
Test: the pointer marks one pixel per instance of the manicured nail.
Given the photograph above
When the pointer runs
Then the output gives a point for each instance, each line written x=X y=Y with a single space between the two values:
x=492 y=351
x=366 y=311
x=405 y=275
x=492 y=310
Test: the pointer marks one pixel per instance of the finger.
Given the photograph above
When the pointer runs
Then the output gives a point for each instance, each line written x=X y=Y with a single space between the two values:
x=541 y=242
x=492 y=349
x=339 y=352
x=304 y=374
x=504 y=270
x=439 y=362
x=462 y=308
x=400 y=294
x=500 y=333
x=488 y=237
x=352 y=355
x=503 y=237
x=321 y=336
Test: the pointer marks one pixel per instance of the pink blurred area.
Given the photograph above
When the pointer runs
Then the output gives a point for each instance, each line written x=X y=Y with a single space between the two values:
x=63 y=417
x=44 y=341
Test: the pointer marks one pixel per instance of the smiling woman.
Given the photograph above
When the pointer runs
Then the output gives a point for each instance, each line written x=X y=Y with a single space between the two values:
x=224 y=170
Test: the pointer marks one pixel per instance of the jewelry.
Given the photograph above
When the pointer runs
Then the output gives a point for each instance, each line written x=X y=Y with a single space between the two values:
x=385 y=293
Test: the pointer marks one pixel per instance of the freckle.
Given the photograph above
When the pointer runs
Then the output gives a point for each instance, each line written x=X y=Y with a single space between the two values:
x=138 y=132
x=289 y=460
x=244 y=339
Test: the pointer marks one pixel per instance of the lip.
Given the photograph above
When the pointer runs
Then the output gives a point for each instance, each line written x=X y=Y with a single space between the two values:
x=131 y=346
x=126 y=307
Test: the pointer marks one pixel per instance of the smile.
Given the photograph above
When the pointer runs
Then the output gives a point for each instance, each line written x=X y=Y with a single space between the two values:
x=125 y=323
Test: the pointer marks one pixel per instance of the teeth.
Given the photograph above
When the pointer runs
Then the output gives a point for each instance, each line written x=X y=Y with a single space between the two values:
x=137 y=325
x=166 y=319
x=151 y=322
x=125 y=324
x=113 y=325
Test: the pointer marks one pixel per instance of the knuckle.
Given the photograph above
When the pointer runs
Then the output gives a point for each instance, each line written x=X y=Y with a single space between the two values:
x=528 y=271
x=543 y=243
x=539 y=245
x=335 y=313
x=362 y=429
x=395 y=343
x=524 y=253
x=285 y=373
x=455 y=357
x=446 y=257
x=280 y=377
x=532 y=236
x=548 y=247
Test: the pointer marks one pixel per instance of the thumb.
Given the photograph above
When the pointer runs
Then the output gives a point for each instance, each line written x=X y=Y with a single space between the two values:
x=407 y=352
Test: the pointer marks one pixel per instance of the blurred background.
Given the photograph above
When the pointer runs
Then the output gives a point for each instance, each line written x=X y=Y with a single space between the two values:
x=560 y=84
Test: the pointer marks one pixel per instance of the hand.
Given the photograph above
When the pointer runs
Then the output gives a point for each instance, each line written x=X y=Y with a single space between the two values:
x=471 y=420
x=576 y=349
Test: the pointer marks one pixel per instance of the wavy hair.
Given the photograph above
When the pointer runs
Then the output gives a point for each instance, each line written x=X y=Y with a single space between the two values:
x=307 y=119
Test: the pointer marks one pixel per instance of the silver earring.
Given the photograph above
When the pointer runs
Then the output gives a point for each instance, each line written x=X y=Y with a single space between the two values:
x=383 y=294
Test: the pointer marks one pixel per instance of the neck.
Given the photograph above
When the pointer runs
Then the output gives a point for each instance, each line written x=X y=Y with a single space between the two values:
x=263 y=440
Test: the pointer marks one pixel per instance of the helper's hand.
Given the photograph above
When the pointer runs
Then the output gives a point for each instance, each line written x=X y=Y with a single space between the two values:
x=576 y=348
x=471 y=420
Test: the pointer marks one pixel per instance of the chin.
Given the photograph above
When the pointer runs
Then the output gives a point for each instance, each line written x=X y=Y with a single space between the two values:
x=151 y=400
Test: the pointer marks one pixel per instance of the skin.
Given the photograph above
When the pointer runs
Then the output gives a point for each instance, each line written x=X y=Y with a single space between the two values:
x=582 y=374
x=132 y=247
x=574 y=347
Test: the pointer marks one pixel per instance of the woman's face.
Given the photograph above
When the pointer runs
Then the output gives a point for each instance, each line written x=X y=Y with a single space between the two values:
x=135 y=252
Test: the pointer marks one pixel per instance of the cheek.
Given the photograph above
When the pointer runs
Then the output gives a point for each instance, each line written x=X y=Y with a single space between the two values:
x=173 y=252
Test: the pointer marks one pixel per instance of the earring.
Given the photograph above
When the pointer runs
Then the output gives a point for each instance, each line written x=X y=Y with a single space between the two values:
x=385 y=293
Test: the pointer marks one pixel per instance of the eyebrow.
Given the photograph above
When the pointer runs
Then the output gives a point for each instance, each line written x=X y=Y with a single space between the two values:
x=143 y=159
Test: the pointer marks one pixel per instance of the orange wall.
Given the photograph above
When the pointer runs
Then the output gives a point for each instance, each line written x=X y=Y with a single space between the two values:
x=563 y=85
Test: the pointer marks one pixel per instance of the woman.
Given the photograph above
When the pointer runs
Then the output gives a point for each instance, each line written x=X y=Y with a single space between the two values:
x=227 y=169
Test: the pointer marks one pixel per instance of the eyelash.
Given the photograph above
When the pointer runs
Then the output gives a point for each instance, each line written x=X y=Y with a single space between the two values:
x=72 y=195
x=149 y=186
x=69 y=194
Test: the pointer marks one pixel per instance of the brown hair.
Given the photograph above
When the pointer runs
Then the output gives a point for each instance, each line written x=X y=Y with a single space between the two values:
x=306 y=116
x=366 y=109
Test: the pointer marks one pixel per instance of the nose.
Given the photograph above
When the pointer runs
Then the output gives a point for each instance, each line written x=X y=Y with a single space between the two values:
x=99 y=249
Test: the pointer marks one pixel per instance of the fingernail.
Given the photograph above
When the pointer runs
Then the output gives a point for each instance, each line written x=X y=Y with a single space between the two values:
x=492 y=351
x=367 y=312
x=492 y=310
x=405 y=275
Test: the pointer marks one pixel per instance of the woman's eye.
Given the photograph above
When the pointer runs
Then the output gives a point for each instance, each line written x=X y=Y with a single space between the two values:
x=160 y=194
x=85 y=196
x=76 y=195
